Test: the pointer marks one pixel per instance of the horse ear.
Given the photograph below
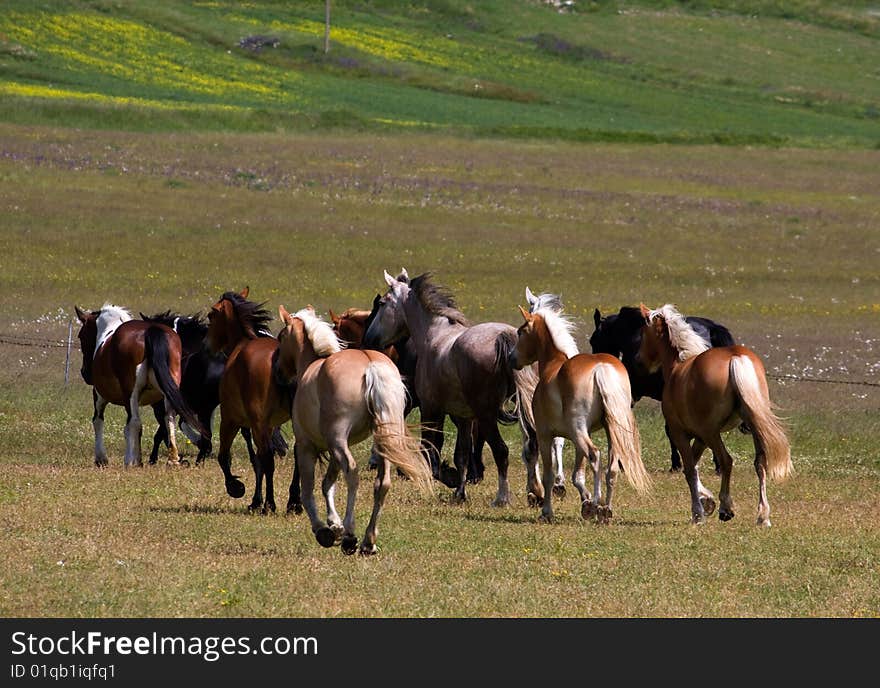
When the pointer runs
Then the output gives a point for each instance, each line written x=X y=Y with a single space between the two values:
x=333 y=317
x=81 y=314
x=283 y=315
x=525 y=314
x=244 y=292
x=645 y=311
x=403 y=276
x=597 y=317
x=389 y=280
x=530 y=297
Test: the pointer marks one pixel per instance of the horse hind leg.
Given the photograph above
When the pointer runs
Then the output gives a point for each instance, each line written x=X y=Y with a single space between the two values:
x=306 y=457
x=490 y=433
x=381 y=485
x=559 y=483
x=161 y=435
x=725 y=461
x=133 y=425
x=100 y=404
x=707 y=499
x=234 y=486
x=590 y=506
x=761 y=470
x=342 y=455
x=328 y=489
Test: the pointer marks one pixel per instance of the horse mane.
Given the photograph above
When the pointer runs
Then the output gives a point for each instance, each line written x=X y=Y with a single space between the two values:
x=561 y=330
x=547 y=301
x=436 y=299
x=185 y=325
x=681 y=335
x=320 y=333
x=355 y=313
x=249 y=313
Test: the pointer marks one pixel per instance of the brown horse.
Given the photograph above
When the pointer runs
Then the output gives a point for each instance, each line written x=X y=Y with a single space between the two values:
x=576 y=395
x=707 y=391
x=344 y=396
x=252 y=395
x=350 y=326
x=132 y=363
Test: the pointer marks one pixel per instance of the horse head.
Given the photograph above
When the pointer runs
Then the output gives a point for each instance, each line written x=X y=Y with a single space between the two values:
x=388 y=323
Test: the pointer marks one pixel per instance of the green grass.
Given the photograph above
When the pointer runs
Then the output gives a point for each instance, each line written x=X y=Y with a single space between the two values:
x=779 y=244
x=748 y=73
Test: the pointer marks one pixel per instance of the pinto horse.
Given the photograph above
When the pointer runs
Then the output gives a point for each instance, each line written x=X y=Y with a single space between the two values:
x=200 y=384
x=343 y=397
x=252 y=394
x=620 y=334
x=461 y=370
x=132 y=363
x=707 y=391
x=576 y=395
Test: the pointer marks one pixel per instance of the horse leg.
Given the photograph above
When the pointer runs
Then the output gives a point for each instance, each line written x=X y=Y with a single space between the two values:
x=489 y=430
x=534 y=486
x=306 y=456
x=228 y=431
x=578 y=479
x=683 y=444
x=381 y=485
x=161 y=435
x=463 y=450
x=761 y=470
x=266 y=459
x=723 y=457
x=544 y=448
x=476 y=468
x=328 y=489
x=99 y=403
x=342 y=455
x=707 y=499
x=257 y=465
x=611 y=472
x=249 y=443
x=559 y=482
x=590 y=506
x=675 y=457
x=170 y=422
x=133 y=426
x=206 y=417
x=294 y=497
x=432 y=445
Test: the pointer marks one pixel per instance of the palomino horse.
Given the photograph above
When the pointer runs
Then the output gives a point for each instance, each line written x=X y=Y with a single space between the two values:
x=707 y=391
x=344 y=396
x=576 y=395
x=200 y=384
x=620 y=334
x=131 y=363
x=462 y=370
x=252 y=394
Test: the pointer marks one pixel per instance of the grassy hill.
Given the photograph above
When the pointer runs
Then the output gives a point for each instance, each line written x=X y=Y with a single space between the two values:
x=782 y=73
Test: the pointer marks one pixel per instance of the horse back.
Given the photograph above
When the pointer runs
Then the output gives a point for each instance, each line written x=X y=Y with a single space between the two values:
x=249 y=393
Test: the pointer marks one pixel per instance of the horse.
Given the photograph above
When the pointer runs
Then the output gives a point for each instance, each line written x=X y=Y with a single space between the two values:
x=707 y=391
x=343 y=397
x=620 y=335
x=200 y=384
x=577 y=394
x=554 y=303
x=252 y=395
x=461 y=370
x=132 y=363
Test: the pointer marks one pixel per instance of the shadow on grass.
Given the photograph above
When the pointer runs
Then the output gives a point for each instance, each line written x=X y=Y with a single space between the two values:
x=208 y=509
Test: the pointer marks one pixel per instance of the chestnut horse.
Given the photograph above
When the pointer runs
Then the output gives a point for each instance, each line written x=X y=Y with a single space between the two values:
x=252 y=395
x=462 y=370
x=344 y=396
x=576 y=395
x=707 y=391
x=132 y=363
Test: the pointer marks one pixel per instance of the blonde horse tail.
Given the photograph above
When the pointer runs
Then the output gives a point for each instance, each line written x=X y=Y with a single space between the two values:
x=386 y=400
x=526 y=380
x=623 y=433
x=758 y=413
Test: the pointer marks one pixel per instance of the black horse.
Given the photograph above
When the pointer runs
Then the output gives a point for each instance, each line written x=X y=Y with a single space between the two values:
x=621 y=335
x=200 y=384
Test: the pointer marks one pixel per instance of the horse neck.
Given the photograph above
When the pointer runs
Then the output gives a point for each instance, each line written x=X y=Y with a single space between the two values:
x=425 y=327
x=668 y=356
x=299 y=354
x=550 y=358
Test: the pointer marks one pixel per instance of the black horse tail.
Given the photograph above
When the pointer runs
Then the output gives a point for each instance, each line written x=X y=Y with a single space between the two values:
x=158 y=355
x=508 y=379
x=720 y=335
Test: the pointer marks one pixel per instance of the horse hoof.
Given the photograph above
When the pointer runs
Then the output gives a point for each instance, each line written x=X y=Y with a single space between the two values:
x=545 y=518
x=708 y=505
x=459 y=497
x=763 y=522
x=534 y=500
x=368 y=550
x=255 y=506
x=235 y=488
x=183 y=462
x=325 y=537
x=725 y=515
x=675 y=469
x=604 y=515
x=268 y=508
x=295 y=508
x=101 y=464
x=559 y=491
x=349 y=544
x=588 y=510
x=449 y=476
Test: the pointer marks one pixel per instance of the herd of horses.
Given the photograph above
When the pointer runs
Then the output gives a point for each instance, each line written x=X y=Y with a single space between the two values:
x=358 y=377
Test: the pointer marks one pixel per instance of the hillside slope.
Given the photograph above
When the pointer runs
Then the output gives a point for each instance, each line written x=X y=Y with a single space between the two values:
x=796 y=73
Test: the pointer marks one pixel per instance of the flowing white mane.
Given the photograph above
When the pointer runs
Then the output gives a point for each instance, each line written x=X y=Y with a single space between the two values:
x=682 y=336
x=319 y=332
x=548 y=301
x=109 y=318
x=561 y=331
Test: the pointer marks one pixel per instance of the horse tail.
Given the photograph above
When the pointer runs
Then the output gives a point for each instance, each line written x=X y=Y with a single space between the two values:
x=386 y=401
x=158 y=356
x=720 y=336
x=521 y=382
x=623 y=434
x=758 y=413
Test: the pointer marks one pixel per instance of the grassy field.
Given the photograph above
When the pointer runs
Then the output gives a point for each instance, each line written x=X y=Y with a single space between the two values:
x=780 y=244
